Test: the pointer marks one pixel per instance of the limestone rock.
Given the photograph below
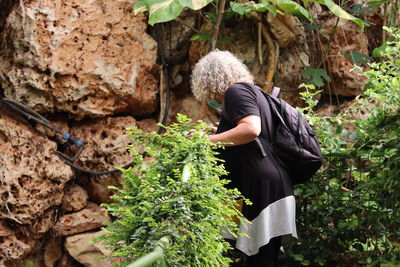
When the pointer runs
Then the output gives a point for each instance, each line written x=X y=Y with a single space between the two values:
x=105 y=149
x=17 y=241
x=83 y=250
x=4 y=229
x=189 y=106
x=290 y=66
x=346 y=80
x=32 y=177
x=14 y=247
x=91 y=217
x=86 y=58
x=52 y=252
x=105 y=142
x=68 y=261
x=41 y=225
x=74 y=199
x=147 y=125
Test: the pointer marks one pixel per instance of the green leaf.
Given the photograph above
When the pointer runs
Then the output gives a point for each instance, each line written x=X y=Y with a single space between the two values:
x=339 y=129
x=264 y=8
x=357 y=57
x=358 y=9
x=140 y=6
x=201 y=36
x=239 y=8
x=393 y=16
x=316 y=76
x=166 y=10
x=377 y=3
x=353 y=136
x=298 y=257
x=341 y=13
x=291 y=7
x=379 y=51
x=306 y=2
x=242 y=9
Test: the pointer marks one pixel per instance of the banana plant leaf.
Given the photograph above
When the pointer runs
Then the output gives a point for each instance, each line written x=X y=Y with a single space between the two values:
x=341 y=13
x=291 y=7
x=166 y=10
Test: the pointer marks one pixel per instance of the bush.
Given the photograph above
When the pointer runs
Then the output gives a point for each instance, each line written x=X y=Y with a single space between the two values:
x=159 y=198
x=348 y=214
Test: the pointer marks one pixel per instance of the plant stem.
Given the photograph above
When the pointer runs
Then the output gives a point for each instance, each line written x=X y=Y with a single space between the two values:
x=271 y=49
x=214 y=38
x=326 y=51
x=259 y=38
x=187 y=25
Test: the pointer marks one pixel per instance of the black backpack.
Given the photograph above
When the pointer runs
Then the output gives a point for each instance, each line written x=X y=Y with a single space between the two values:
x=293 y=142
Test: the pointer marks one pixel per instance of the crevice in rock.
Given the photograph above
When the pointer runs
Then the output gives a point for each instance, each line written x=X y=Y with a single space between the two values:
x=5 y=8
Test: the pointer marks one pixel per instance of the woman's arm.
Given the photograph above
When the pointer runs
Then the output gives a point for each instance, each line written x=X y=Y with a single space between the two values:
x=246 y=130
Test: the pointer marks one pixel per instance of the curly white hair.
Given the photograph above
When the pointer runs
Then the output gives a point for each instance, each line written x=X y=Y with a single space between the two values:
x=215 y=72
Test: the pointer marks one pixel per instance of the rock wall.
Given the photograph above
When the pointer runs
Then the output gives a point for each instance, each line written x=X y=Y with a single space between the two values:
x=32 y=183
x=43 y=199
x=346 y=38
x=86 y=58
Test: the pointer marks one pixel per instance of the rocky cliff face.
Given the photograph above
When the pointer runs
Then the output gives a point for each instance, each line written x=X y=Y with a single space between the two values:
x=42 y=198
x=342 y=38
x=86 y=58
x=83 y=60
x=32 y=182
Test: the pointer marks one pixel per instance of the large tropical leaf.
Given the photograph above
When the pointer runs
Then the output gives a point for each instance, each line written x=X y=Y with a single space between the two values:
x=291 y=7
x=166 y=10
x=341 y=13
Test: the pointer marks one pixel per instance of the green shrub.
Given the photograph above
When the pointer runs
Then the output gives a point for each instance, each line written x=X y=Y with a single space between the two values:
x=155 y=201
x=349 y=213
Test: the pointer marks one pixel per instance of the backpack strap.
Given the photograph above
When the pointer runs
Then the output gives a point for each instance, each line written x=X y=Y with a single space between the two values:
x=283 y=106
x=263 y=152
x=273 y=109
x=276 y=91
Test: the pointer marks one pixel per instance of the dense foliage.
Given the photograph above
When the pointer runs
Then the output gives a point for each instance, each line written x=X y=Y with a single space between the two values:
x=349 y=214
x=162 y=11
x=176 y=192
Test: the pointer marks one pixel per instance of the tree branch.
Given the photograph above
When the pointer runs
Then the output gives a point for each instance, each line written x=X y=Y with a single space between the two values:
x=214 y=38
x=271 y=49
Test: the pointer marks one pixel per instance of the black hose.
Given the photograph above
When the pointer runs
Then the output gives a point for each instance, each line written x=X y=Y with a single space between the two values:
x=166 y=75
x=71 y=164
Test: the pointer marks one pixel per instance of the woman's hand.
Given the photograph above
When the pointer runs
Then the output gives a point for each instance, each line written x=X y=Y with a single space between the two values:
x=212 y=130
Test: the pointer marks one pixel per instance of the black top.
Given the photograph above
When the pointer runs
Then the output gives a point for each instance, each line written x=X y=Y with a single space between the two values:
x=259 y=178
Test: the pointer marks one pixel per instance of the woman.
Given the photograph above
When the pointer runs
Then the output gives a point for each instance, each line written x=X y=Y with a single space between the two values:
x=260 y=178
